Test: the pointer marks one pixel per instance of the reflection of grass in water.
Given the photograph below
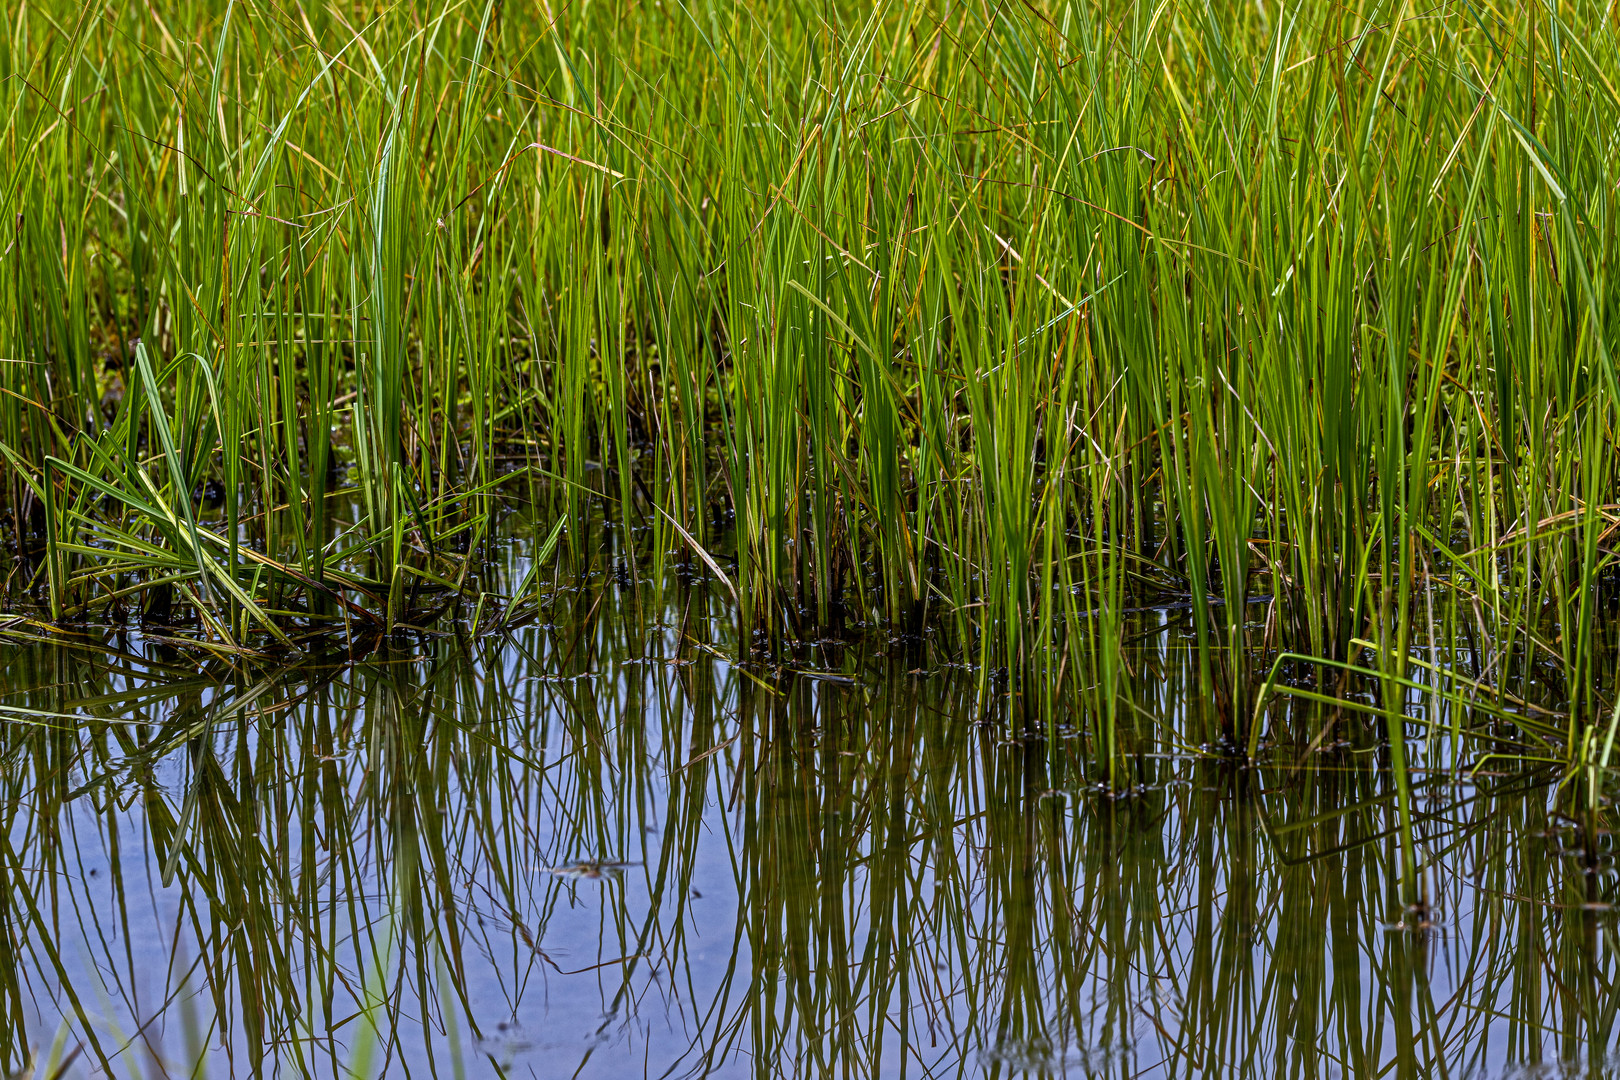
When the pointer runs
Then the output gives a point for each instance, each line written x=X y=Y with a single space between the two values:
x=915 y=890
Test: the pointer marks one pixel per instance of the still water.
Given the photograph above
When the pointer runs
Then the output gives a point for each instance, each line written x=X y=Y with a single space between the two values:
x=591 y=848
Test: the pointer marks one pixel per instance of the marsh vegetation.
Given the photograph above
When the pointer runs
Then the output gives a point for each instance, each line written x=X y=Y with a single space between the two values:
x=1033 y=349
x=995 y=320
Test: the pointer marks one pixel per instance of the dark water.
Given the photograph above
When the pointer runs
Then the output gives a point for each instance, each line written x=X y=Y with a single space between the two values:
x=594 y=850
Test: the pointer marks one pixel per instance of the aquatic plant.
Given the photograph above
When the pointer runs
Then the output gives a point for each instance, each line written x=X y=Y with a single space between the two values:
x=982 y=322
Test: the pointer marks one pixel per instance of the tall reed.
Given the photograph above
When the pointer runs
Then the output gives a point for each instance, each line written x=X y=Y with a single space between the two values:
x=987 y=321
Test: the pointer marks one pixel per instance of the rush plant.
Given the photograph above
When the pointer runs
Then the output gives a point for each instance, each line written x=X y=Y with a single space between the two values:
x=981 y=321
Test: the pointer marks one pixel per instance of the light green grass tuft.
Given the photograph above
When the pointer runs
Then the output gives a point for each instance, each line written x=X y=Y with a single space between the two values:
x=990 y=320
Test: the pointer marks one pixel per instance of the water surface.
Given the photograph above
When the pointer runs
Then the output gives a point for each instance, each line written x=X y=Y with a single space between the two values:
x=594 y=849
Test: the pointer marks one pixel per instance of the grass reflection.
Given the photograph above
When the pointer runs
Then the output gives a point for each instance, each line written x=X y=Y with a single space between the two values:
x=592 y=851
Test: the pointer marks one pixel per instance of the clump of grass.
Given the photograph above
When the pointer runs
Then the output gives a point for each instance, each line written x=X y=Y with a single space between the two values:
x=991 y=321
